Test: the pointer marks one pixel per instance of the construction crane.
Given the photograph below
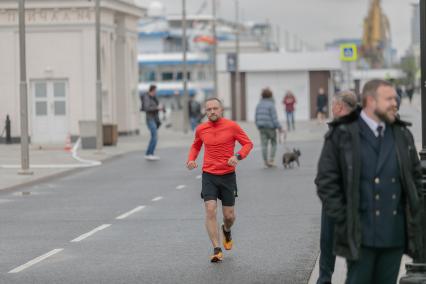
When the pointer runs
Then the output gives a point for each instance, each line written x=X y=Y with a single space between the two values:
x=376 y=36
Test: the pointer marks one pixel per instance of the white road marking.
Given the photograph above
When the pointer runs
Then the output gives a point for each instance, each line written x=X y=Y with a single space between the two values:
x=182 y=186
x=83 y=163
x=157 y=198
x=35 y=260
x=125 y=215
x=92 y=232
x=198 y=177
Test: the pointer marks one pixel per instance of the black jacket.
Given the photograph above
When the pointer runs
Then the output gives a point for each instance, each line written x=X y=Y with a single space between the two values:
x=338 y=181
x=150 y=106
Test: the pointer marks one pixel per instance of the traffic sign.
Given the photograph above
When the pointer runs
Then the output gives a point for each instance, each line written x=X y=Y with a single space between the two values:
x=348 y=52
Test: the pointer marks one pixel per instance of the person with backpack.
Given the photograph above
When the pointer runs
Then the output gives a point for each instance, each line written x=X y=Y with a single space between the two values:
x=267 y=123
x=151 y=107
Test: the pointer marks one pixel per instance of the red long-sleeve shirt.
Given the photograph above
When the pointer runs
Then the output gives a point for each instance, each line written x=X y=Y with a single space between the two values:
x=219 y=144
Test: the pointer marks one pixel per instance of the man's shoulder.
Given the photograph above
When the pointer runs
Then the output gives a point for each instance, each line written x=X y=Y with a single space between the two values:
x=202 y=126
x=343 y=124
x=231 y=122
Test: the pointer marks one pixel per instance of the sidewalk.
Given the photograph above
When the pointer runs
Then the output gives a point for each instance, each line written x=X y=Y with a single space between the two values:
x=55 y=161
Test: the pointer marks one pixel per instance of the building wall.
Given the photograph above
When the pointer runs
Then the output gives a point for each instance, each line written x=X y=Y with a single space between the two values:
x=61 y=46
x=279 y=83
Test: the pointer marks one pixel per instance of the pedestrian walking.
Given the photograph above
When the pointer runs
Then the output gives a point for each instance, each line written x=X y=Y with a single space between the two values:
x=410 y=92
x=344 y=109
x=152 y=107
x=322 y=105
x=219 y=135
x=370 y=182
x=195 y=115
x=289 y=101
x=267 y=123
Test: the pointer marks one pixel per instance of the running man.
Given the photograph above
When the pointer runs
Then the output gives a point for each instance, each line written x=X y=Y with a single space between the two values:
x=218 y=135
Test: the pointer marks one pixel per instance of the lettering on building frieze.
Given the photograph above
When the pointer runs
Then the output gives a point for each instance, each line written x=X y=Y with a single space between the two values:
x=31 y=16
x=42 y=15
x=47 y=16
x=54 y=16
x=11 y=16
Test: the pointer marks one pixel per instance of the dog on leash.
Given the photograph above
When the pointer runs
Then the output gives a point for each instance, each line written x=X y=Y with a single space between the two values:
x=290 y=157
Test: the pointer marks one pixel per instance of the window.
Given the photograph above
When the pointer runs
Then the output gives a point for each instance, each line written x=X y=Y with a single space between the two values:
x=148 y=76
x=40 y=90
x=41 y=108
x=167 y=76
x=179 y=76
x=59 y=89
x=60 y=108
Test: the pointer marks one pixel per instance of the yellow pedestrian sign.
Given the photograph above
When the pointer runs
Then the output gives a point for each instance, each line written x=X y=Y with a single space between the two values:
x=348 y=52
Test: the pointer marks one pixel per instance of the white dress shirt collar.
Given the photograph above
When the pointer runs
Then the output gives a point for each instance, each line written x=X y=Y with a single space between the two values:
x=372 y=124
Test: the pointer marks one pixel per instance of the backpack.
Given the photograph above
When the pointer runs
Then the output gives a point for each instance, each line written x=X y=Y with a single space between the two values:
x=143 y=107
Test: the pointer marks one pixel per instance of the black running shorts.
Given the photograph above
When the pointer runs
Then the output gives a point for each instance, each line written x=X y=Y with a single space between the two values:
x=223 y=187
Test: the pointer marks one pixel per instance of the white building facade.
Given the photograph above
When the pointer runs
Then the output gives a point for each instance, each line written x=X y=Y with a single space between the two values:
x=61 y=66
x=301 y=73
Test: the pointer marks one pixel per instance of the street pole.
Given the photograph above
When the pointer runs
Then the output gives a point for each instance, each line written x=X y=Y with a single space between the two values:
x=214 y=56
x=25 y=152
x=278 y=38
x=416 y=272
x=287 y=41
x=99 y=134
x=185 y=75
x=238 y=100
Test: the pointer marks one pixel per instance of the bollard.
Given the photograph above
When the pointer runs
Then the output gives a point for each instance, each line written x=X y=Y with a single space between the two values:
x=8 y=130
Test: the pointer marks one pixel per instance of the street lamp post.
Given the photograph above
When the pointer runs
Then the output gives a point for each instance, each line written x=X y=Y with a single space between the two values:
x=238 y=100
x=416 y=272
x=99 y=134
x=185 y=72
x=214 y=49
x=25 y=153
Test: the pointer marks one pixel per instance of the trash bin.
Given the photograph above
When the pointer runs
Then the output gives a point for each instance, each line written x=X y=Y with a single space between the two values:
x=110 y=134
x=88 y=134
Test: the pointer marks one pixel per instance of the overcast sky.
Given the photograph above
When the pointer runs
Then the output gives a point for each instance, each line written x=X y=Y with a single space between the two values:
x=314 y=21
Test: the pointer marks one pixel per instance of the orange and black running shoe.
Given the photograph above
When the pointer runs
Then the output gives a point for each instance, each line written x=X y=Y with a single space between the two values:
x=217 y=255
x=227 y=238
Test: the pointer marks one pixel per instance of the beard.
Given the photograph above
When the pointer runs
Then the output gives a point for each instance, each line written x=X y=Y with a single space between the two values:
x=387 y=116
x=213 y=118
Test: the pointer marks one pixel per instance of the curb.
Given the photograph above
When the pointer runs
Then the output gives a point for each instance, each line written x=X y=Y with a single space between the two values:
x=60 y=174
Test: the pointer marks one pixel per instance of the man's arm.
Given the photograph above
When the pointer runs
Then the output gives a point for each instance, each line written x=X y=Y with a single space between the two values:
x=195 y=147
x=417 y=168
x=244 y=140
x=329 y=181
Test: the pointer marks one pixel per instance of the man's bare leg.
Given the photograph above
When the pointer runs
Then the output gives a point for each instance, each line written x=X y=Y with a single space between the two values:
x=228 y=221
x=228 y=216
x=211 y=222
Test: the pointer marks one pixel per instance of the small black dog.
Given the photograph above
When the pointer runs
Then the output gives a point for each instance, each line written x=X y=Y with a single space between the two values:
x=290 y=157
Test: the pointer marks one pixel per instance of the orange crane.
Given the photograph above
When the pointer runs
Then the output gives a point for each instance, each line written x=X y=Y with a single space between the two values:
x=376 y=35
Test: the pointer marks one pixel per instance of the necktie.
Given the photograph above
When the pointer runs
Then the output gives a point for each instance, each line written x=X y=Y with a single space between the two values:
x=380 y=131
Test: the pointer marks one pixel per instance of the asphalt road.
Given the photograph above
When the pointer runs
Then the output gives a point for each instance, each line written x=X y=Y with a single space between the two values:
x=159 y=236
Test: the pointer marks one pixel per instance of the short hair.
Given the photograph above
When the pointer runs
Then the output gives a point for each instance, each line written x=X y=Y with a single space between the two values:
x=152 y=88
x=347 y=97
x=213 y=99
x=266 y=93
x=371 y=87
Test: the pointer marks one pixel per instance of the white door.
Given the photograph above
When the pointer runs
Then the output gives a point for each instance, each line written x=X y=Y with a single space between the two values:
x=50 y=114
